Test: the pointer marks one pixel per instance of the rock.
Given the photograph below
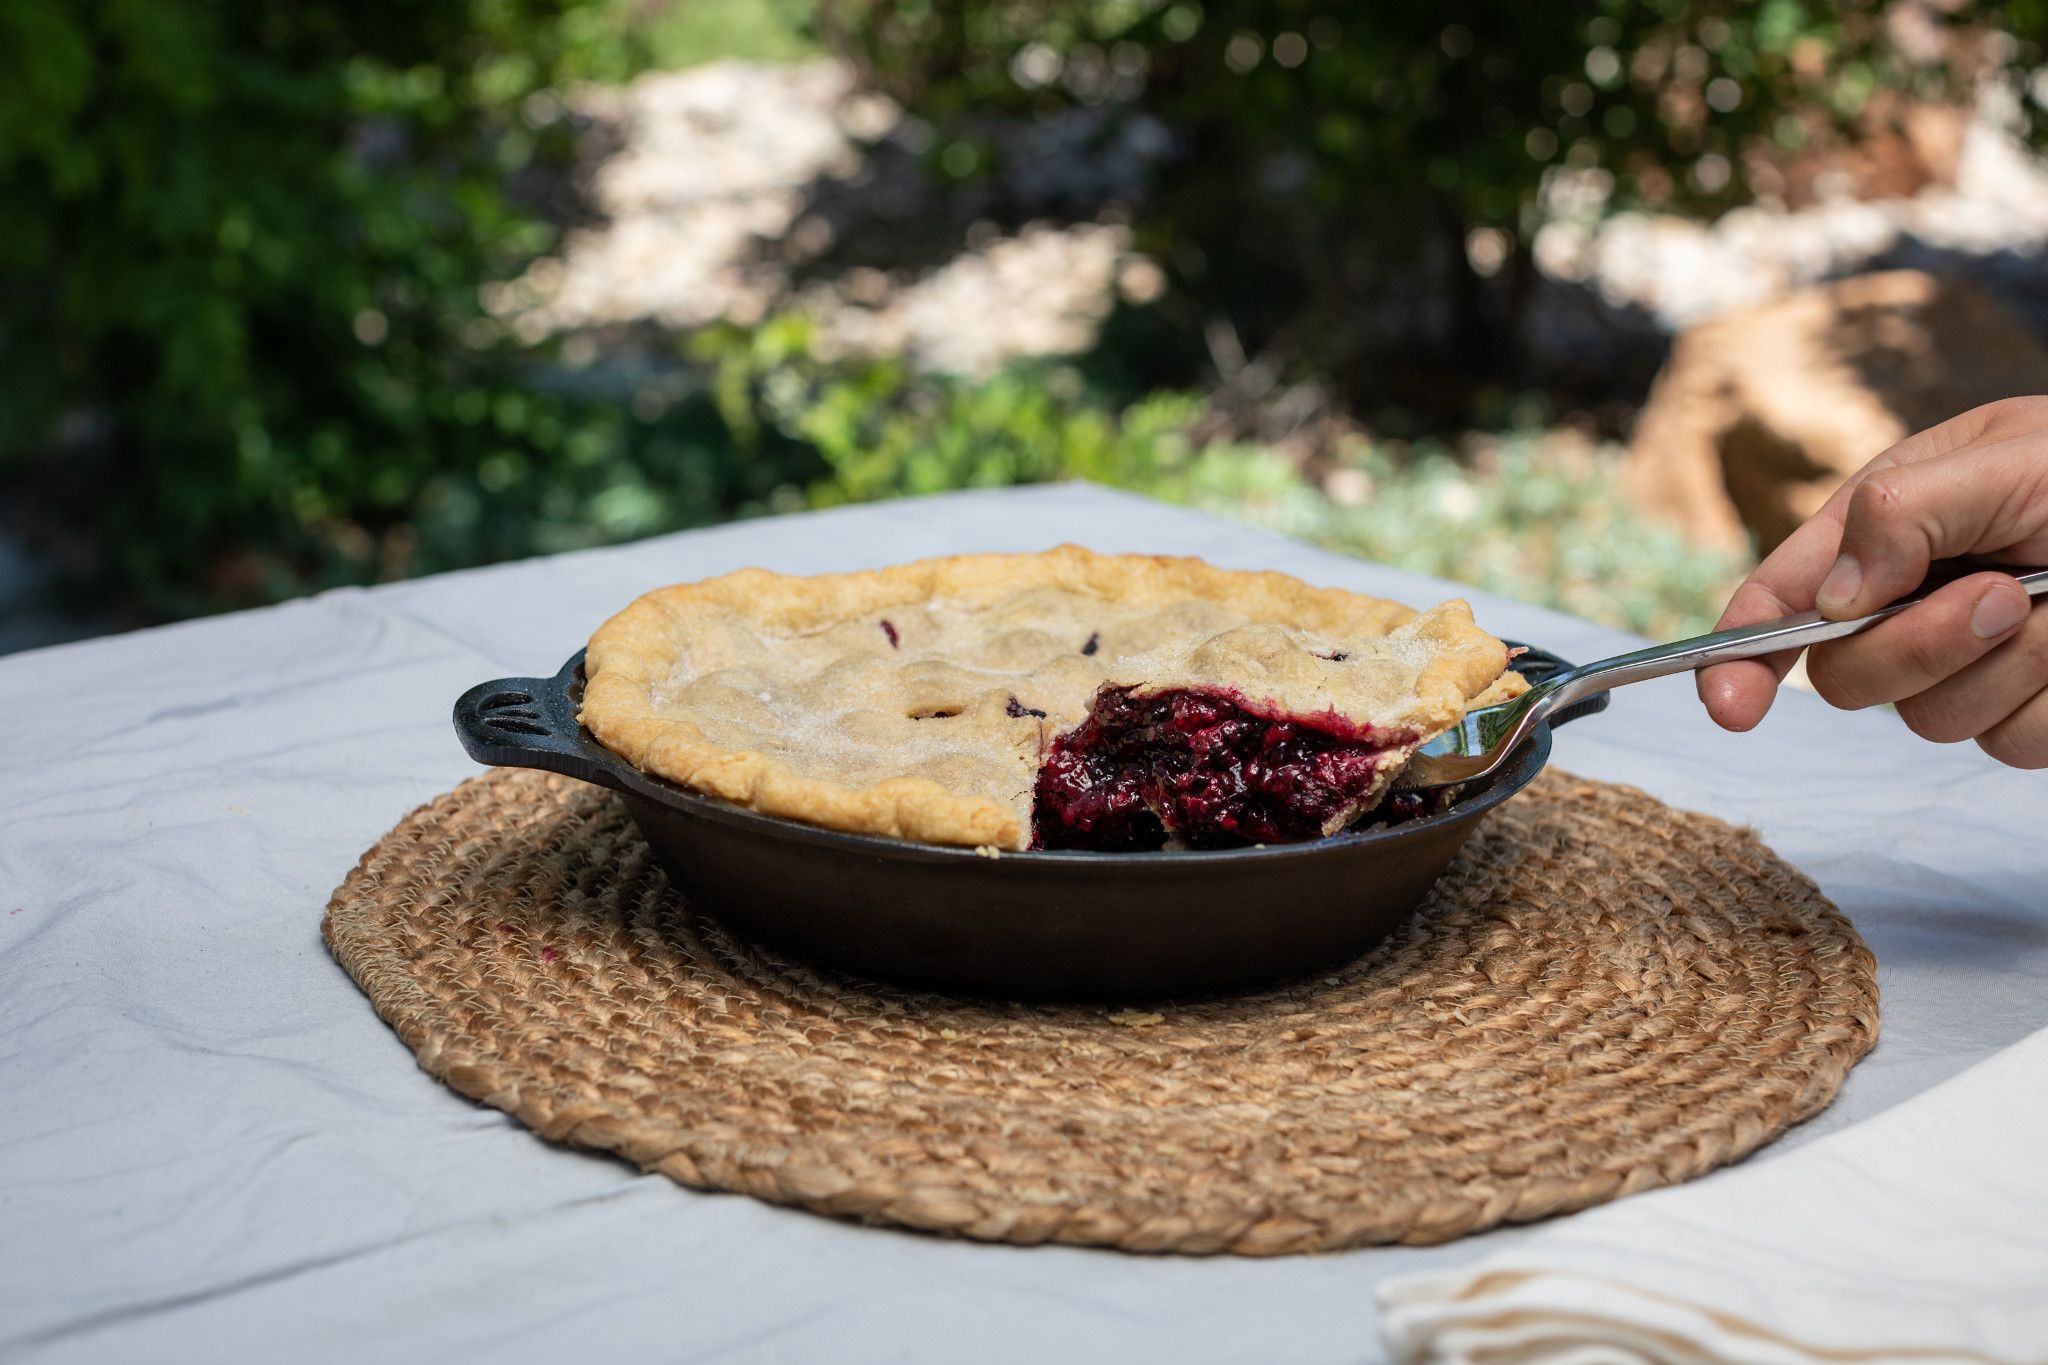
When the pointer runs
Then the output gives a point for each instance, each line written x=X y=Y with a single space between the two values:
x=1760 y=414
x=1042 y=292
x=1982 y=211
x=709 y=163
x=730 y=186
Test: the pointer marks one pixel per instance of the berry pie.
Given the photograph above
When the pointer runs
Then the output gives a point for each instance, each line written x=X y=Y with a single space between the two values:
x=1063 y=700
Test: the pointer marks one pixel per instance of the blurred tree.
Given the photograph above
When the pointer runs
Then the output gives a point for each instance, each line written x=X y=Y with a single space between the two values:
x=1350 y=178
x=243 y=350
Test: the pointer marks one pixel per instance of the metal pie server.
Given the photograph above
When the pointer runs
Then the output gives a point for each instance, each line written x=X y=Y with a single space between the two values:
x=1485 y=739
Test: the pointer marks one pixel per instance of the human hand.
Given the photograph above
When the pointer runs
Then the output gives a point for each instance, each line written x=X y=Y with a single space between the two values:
x=1970 y=662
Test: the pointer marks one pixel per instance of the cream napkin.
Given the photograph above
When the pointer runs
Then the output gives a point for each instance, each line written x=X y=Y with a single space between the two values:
x=1919 y=1236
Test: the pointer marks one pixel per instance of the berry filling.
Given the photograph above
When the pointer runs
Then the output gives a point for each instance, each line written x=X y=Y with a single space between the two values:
x=1208 y=770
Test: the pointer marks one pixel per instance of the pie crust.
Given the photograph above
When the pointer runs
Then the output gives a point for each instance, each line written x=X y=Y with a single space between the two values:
x=920 y=701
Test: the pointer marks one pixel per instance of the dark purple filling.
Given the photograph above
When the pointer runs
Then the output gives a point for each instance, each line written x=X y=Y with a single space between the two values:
x=1211 y=768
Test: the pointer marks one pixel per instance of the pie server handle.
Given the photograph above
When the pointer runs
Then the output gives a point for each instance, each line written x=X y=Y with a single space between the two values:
x=1750 y=642
x=1539 y=666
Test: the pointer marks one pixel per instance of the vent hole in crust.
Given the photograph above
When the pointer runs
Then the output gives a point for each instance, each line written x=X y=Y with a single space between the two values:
x=940 y=714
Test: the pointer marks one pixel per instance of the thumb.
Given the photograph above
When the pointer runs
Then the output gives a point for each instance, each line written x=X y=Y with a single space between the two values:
x=1902 y=518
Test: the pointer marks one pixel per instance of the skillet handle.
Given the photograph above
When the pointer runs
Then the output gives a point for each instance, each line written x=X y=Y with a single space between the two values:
x=1539 y=664
x=531 y=723
x=1585 y=706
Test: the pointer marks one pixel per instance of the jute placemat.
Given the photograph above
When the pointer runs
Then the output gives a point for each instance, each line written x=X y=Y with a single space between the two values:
x=1604 y=995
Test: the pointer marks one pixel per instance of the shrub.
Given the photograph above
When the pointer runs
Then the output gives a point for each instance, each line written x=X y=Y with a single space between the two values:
x=1543 y=521
x=243 y=352
x=1337 y=165
x=1529 y=518
x=881 y=430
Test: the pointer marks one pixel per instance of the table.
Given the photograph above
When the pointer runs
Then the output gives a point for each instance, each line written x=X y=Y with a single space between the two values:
x=210 y=1148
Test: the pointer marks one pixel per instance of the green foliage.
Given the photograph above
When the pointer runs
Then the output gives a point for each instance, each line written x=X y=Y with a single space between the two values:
x=685 y=32
x=1525 y=519
x=244 y=355
x=615 y=40
x=881 y=430
x=244 y=352
x=1540 y=521
x=1326 y=152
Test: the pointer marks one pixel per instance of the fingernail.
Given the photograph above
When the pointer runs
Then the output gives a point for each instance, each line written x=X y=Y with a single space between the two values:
x=1842 y=582
x=1997 y=612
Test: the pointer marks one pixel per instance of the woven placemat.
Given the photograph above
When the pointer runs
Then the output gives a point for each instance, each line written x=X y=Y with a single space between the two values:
x=1603 y=995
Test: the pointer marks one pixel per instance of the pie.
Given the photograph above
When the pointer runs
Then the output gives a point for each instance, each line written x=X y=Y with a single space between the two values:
x=1062 y=700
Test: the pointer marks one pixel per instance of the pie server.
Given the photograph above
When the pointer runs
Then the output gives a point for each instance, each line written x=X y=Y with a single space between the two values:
x=1043 y=925
x=1485 y=739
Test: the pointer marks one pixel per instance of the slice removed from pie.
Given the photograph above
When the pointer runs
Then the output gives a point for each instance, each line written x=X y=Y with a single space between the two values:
x=1056 y=700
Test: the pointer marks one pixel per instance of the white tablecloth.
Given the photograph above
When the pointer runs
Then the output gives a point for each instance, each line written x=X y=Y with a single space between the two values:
x=210 y=1148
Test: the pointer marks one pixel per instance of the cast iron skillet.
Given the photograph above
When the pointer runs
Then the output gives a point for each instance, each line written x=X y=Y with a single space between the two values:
x=1068 y=926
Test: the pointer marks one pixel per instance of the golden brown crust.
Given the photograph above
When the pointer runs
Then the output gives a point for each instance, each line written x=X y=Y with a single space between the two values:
x=907 y=701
